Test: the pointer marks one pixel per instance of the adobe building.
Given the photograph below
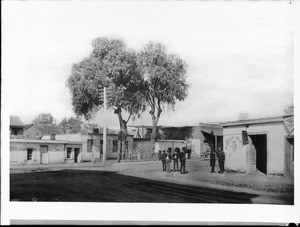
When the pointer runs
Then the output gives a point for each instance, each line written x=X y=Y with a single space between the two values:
x=92 y=145
x=37 y=132
x=142 y=147
x=29 y=151
x=265 y=145
x=198 y=140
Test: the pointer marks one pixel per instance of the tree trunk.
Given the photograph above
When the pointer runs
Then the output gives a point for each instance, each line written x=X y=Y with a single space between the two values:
x=118 y=111
x=153 y=135
x=155 y=120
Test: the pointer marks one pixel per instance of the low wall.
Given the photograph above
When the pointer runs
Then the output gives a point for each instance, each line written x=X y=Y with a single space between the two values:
x=20 y=157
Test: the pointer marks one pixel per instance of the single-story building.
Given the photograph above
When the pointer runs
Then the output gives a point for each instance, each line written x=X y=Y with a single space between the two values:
x=92 y=145
x=25 y=151
x=199 y=139
x=142 y=147
x=264 y=145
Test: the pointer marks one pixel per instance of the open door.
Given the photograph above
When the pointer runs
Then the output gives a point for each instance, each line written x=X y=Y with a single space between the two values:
x=260 y=144
x=76 y=151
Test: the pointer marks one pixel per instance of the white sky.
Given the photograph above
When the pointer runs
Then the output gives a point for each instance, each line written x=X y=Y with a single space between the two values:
x=239 y=53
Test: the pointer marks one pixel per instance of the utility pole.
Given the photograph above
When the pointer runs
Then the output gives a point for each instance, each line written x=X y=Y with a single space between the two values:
x=104 y=127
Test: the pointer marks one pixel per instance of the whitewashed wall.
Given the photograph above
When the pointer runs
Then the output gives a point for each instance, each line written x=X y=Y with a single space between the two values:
x=236 y=154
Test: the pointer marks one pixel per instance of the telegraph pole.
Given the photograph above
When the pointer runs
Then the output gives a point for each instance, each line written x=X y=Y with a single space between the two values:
x=104 y=127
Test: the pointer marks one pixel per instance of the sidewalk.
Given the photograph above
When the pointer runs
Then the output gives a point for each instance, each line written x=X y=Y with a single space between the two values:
x=199 y=174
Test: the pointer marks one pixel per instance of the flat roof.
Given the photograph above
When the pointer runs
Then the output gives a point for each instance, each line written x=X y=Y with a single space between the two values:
x=44 y=141
x=170 y=140
x=253 y=121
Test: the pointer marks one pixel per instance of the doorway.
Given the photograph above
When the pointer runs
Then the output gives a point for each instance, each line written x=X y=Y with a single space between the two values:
x=76 y=151
x=260 y=144
x=43 y=153
x=289 y=159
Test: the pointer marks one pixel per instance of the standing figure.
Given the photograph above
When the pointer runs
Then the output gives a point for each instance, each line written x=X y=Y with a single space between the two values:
x=175 y=159
x=163 y=160
x=168 y=160
x=182 y=160
x=159 y=155
x=212 y=160
x=221 y=159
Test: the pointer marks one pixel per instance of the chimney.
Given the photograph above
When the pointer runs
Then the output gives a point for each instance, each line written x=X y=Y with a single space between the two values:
x=68 y=129
x=95 y=131
x=243 y=116
x=52 y=136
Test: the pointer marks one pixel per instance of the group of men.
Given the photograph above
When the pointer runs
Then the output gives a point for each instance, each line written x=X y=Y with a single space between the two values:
x=221 y=159
x=177 y=156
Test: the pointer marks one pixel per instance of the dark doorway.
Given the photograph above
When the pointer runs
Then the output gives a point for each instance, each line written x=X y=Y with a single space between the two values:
x=289 y=160
x=210 y=140
x=260 y=144
x=76 y=151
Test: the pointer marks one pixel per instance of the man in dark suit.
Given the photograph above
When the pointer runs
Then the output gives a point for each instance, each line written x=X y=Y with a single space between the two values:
x=182 y=160
x=168 y=160
x=221 y=159
x=175 y=159
x=163 y=160
x=212 y=160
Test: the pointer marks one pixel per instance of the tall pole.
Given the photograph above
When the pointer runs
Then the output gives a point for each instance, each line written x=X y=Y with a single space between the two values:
x=104 y=127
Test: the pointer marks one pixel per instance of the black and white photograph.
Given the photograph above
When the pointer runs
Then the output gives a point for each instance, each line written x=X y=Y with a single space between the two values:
x=149 y=112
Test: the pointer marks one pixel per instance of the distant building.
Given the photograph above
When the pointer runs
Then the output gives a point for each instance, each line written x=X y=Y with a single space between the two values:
x=198 y=140
x=243 y=116
x=16 y=127
x=142 y=147
x=265 y=145
x=92 y=145
x=37 y=132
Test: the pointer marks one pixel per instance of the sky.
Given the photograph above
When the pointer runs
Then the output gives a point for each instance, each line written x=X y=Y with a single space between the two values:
x=239 y=54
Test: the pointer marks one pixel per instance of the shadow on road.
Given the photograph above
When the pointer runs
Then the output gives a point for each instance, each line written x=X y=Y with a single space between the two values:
x=104 y=186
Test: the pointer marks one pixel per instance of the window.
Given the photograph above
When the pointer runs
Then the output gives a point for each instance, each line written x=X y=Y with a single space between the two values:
x=101 y=146
x=69 y=152
x=29 y=153
x=115 y=146
x=90 y=146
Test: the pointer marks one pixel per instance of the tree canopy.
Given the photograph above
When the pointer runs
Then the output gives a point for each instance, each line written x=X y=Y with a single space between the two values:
x=44 y=119
x=71 y=125
x=112 y=65
x=164 y=77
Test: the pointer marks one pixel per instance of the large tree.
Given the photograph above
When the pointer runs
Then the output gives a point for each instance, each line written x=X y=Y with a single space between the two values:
x=164 y=78
x=111 y=64
x=73 y=125
x=44 y=119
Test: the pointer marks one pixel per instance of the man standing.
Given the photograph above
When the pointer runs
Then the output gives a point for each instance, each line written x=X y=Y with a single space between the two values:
x=182 y=161
x=175 y=159
x=163 y=160
x=212 y=160
x=221 y=159
x=168 y=160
